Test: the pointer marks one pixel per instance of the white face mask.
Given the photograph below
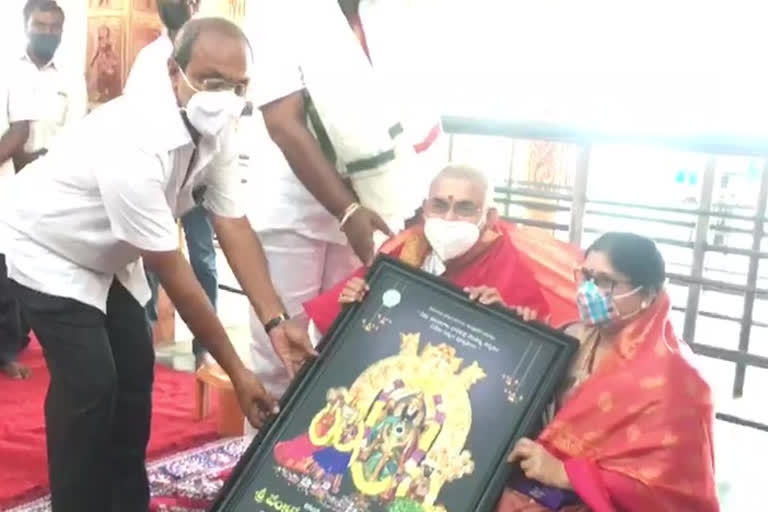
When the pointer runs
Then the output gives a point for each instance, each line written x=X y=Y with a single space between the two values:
x=212 y=112
x=450 y=238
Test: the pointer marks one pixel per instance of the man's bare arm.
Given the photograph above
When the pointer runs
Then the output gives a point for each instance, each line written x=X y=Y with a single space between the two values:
x=13 y=140
x=179 y=282
x=286 y=123
x=23 y=159
x=247 y=261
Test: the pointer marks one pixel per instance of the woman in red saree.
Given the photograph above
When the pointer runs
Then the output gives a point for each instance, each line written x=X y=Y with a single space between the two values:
x=632 y=429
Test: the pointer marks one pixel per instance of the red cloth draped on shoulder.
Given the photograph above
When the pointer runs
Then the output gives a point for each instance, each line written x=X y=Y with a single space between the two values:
x=552 y=264
x=637 y=436
x=501 y=265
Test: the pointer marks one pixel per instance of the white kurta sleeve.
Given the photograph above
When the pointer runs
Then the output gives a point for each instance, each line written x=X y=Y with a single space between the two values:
x=134 y=198
x=22 y=104
x=275 y=41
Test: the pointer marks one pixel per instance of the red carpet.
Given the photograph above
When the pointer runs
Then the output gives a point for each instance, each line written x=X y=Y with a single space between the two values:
x=23 y=468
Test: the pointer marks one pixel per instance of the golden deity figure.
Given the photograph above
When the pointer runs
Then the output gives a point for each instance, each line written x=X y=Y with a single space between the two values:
x=418 y=404
x=399 y=431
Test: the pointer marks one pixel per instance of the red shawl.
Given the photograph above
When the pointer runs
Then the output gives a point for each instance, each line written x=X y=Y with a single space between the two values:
x=500 y=265
x=552 y=263
x=637 y=435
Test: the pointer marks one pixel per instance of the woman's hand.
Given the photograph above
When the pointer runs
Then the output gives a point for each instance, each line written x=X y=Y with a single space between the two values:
x=354 y=291
x=540 y=465
x=486 y=295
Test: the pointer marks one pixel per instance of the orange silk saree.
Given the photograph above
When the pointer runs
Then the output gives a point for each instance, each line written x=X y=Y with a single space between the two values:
x=637 y=435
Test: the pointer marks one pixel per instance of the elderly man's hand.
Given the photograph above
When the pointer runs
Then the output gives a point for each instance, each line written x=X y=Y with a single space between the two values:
x=485 y=295
x=488 y=295
x=291 y=343
x=354 y=291
x=359 y=229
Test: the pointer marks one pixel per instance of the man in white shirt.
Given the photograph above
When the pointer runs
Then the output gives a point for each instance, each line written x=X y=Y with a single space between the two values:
x=148 y=73
x=314 y=230
x=40 y=100
x=81 y=219
x=60 y=95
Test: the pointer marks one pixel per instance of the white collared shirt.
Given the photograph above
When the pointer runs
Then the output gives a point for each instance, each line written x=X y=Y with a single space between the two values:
x=397 y=43
x=108 y=188
x=150 y=69
x=60 y=98
x=17 y=103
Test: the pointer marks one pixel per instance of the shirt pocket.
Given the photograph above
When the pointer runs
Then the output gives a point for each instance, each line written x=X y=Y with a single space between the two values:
x=60 y=108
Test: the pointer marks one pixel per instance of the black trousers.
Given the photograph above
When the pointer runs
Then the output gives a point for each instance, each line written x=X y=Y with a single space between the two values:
x=14 y=331
x=98 y=407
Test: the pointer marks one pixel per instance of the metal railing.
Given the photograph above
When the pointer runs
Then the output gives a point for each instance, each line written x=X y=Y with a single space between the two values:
x=700 y=220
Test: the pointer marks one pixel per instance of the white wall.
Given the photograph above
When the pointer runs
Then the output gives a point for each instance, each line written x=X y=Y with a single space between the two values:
x=678 y=65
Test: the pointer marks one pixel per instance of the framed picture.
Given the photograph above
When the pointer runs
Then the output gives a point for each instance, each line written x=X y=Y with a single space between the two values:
x=105 y=4
x=416 y=399
x=234 y=10
x=105 y=65
x=144 y=5
x=143 y=32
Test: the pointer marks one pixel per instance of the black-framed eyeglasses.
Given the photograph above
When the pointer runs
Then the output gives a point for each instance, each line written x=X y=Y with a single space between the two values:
x=216 y=84
x=220 y=84
x=601 y=279
x=440 y=206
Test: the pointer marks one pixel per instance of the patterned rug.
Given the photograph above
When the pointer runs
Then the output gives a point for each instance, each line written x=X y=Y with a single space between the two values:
x=185 y=482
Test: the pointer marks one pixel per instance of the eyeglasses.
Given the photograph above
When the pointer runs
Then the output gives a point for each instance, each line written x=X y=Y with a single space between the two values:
x=440 y=206
x=216 y=85
x=601 y=279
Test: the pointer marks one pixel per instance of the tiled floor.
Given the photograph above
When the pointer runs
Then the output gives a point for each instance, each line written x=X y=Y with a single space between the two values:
x=739 y=451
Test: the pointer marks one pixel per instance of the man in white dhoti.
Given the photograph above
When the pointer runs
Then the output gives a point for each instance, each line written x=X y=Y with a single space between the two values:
x=353 y=148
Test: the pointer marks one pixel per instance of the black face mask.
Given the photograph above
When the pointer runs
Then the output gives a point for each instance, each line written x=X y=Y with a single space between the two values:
x=44 y=46
x=174 y=15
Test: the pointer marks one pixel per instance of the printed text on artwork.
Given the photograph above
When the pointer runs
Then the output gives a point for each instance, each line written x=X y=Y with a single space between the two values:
x=274 y=502
x=457 y=330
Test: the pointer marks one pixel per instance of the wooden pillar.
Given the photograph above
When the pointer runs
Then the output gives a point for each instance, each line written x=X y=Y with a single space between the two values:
x=541 y=165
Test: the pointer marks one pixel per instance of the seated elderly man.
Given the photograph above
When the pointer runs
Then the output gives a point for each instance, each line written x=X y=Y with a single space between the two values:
x=460 y=239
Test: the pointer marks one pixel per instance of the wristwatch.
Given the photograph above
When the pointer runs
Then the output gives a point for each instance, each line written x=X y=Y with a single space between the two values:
x=275 y=322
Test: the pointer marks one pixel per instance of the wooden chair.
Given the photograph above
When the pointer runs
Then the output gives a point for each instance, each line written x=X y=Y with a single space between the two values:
x=211 y=378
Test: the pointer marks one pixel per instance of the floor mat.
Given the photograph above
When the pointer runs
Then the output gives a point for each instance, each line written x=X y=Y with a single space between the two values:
x=185 y=482
x=23 y=462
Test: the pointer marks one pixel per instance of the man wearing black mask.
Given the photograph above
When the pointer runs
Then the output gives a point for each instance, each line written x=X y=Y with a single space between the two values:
x=59 y=95
x=40 y=100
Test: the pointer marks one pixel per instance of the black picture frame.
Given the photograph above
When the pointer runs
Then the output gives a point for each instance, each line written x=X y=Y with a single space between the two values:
x=343 y=343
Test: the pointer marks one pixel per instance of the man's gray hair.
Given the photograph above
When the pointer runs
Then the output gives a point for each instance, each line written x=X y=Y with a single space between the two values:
x=468 y=173
x=194 y=28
